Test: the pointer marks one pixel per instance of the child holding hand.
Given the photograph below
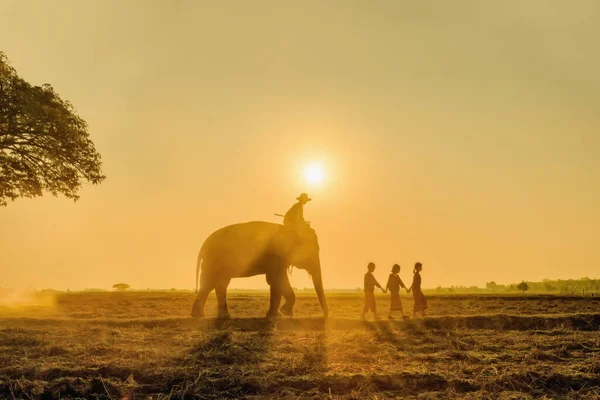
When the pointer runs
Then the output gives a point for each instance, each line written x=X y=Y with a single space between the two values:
x=418 y=296
x=394 y=284
x=369 y=287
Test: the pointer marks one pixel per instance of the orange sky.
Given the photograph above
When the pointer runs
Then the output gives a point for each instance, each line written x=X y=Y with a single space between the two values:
x=460 y=134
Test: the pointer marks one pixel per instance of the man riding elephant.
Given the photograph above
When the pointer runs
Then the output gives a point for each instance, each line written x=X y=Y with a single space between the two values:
x=257 y=248
x=294 y=218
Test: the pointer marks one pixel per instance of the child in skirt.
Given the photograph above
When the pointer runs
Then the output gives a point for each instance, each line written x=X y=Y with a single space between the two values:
x=418 y=296
x=394 y=284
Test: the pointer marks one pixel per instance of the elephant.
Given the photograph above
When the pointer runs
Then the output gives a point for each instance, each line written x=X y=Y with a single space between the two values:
x=254 y=248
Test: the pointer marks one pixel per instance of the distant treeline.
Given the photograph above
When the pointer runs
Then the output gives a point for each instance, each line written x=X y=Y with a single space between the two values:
x=581 y=286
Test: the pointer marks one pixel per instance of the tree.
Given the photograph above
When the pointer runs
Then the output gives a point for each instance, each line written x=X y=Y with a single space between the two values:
x=121 y=287
x=44 y=144
x=523 y=286
x=493 y=286
x=549 y=287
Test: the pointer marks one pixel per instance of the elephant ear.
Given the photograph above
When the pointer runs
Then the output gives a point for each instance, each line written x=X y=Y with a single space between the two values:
x=285 y=240
x=289 y=239
x=309 y=236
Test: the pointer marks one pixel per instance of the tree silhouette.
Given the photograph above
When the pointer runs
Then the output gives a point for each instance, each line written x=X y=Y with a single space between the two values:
x=121 y=287
x=549 y=287
x=523 y=286
x=44 y=145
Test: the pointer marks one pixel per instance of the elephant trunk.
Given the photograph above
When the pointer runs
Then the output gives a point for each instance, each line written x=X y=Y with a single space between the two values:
x=318 y=282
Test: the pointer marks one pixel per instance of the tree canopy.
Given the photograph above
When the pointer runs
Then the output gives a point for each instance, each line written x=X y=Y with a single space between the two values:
x=121 y=287
x=44 y=144
x=523 y=286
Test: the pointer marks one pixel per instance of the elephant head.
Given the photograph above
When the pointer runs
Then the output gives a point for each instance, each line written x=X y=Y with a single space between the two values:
x=302 y=248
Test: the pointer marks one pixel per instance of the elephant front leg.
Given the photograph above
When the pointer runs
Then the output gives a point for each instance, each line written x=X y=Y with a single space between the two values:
x=289 y=296
x=275 y=300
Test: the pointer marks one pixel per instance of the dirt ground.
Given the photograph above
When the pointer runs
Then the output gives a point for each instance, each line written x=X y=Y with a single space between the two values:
x=140 y=345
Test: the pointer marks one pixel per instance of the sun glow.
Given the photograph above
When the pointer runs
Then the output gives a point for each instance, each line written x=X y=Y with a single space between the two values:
x=313 y=174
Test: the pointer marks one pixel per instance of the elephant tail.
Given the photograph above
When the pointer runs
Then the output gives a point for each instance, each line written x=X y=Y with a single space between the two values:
x=198 y=264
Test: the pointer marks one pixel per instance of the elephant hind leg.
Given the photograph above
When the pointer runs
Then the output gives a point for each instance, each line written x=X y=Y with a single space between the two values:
x=199 y=303
x=221 y=289
x=198 y=307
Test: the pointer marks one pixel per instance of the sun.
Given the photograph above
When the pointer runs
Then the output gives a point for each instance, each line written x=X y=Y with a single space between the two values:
x=313 y=174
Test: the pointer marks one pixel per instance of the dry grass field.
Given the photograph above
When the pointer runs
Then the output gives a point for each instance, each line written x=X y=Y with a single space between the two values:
x=140 y=345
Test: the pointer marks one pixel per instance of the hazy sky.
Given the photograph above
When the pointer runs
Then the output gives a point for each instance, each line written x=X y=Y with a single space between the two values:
x=462 y=134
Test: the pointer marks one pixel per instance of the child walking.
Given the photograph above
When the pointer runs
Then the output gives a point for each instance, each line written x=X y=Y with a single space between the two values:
x=370 y=283
x=418 y=296
x=394 y=284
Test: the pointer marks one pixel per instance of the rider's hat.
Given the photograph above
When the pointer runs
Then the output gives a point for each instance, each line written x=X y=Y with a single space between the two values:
x=303 y=197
